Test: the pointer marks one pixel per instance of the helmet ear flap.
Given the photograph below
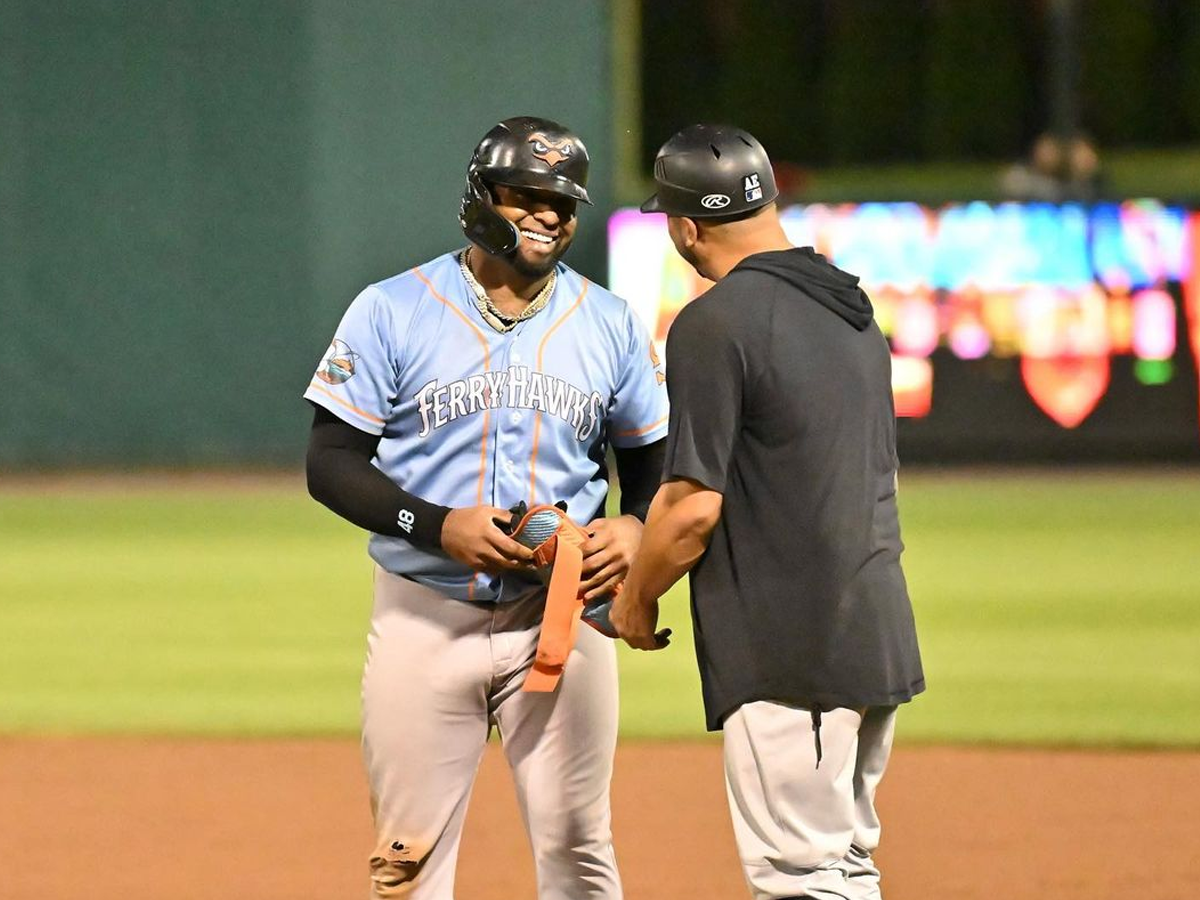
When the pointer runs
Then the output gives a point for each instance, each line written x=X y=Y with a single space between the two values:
x=479 y=220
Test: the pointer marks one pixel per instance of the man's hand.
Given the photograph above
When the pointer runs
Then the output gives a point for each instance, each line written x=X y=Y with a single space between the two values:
x=635 y=620
x=472 y=536
x=608 y=553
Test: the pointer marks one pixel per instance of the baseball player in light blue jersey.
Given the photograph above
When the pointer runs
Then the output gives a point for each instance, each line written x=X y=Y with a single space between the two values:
x=451 y=393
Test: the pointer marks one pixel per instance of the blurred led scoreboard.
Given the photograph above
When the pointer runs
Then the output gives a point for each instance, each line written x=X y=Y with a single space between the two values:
x=1018 y=331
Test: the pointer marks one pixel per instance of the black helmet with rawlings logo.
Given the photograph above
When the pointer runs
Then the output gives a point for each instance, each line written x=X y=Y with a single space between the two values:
x=525 y=151
x=708 y=171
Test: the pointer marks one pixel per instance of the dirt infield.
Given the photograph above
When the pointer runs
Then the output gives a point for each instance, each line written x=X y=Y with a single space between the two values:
x=125 y=819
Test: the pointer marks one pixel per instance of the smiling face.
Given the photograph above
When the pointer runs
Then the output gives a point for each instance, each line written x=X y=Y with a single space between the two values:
x=547 y=224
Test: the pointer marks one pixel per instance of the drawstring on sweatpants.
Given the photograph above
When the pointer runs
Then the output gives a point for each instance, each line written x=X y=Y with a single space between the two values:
x=816 y=720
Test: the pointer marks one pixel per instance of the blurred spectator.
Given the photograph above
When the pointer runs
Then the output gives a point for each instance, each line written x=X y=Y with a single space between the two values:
x=1057 y=169
x=1084 y=177
x=1040 y=177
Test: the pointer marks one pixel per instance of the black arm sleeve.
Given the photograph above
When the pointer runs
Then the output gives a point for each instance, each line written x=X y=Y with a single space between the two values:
x=340 y=476
x=640 y=469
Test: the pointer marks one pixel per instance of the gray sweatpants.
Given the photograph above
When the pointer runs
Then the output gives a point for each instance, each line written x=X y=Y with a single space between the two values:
x=804 y=830
x=438 y=672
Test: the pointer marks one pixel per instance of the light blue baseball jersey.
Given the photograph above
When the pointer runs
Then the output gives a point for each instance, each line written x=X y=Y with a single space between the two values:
x=468 y=415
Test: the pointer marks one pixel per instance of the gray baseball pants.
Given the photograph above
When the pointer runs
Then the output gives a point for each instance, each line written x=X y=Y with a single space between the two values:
x=804 y=830
x=439 y=673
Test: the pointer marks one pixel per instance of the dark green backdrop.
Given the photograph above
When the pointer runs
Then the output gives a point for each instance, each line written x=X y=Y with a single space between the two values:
x=191 y=192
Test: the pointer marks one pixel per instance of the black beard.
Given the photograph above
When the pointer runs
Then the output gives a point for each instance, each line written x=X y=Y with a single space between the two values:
x=535 y=270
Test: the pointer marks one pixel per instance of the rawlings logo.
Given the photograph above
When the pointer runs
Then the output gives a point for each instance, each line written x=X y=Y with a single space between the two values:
x=551 y=152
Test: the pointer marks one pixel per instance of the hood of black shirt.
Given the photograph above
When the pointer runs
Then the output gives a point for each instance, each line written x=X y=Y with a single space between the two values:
x=812 y=274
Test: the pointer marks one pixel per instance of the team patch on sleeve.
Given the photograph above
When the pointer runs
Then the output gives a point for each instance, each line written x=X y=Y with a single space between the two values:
x=656 y=364
x=337 y=366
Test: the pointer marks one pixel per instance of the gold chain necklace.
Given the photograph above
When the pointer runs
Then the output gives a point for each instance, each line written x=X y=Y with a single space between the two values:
x=501 y=321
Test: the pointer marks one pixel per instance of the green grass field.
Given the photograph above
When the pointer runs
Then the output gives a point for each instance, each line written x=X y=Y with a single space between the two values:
x=1052 y=609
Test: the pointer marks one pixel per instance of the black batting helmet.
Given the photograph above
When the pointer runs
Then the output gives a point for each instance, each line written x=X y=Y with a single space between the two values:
x=707 y=171
x=525 y=151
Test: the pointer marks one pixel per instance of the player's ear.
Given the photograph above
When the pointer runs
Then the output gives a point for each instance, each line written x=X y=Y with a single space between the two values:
x=690 y=231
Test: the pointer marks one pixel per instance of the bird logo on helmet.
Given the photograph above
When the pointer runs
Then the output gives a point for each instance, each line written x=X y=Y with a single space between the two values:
x=525 y=151
x=551 y=152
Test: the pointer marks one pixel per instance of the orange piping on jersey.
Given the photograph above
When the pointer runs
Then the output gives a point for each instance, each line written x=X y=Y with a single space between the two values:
x=336 y=399
x=487 y=367
x=537 y=416
x=638 y=431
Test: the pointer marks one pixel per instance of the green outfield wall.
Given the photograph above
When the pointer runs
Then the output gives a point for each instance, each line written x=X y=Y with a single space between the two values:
x=192 y=191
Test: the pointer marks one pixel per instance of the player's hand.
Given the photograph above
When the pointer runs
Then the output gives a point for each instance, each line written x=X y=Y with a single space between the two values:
x=635 y=620
x=607 y=553
x=472 y=535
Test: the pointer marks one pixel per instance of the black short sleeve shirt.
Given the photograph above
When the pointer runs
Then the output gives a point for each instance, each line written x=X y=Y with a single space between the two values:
x=785 y=408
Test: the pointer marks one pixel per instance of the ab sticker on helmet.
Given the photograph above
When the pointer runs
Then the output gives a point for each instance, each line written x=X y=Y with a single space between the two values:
x=752 y=188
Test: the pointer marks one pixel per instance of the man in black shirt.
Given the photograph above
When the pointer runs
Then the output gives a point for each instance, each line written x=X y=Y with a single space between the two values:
x=779 y=496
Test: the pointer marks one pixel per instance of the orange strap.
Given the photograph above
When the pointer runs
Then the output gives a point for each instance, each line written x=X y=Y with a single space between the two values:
x=561 y=619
